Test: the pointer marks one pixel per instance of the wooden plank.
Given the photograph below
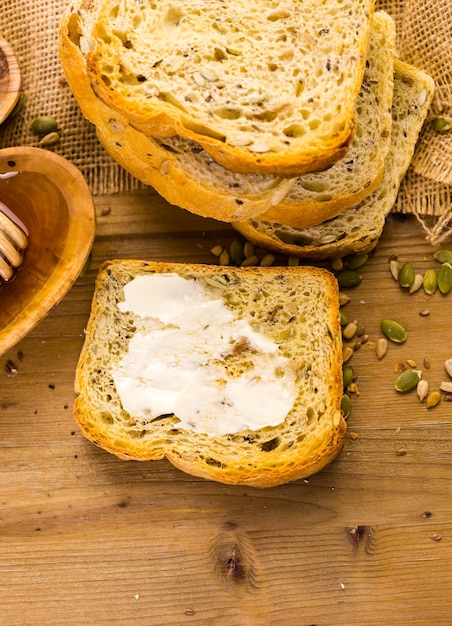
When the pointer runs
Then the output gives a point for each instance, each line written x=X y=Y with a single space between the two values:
x=87 y=538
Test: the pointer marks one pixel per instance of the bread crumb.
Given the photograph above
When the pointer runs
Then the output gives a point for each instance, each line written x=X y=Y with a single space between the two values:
x=353 y=435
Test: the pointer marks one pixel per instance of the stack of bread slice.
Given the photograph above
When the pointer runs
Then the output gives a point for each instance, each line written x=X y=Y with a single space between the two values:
x=293 y=120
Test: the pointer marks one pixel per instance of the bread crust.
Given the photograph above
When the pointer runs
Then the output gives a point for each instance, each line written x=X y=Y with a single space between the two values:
x=147 y=159
x=270 y=138
x=302 y=448
x=359 y=228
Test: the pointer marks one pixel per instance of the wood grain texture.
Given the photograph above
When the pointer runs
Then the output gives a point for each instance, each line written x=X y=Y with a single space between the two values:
x=88 y=539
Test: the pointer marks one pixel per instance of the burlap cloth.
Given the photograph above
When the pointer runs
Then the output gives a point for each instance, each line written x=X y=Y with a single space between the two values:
x=424 y=34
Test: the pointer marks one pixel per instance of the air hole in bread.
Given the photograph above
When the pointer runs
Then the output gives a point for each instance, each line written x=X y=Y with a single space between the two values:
x=271 y=444
x=294 y=130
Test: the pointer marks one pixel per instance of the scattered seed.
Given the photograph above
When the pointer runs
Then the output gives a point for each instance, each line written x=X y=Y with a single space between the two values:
x=417 y=283
x=106 y=210
x=347 y=353
x=236 y=252
x=224 y=258
x=10 y=368
x=248 y=249
x=346 y=406
x=444 y=278
x=448 y=366
x=436 y=537
x=349 y=331
x=252 y=260
x=408 y=380
x=441 y=125
x=293 y=261
x=216 y=250
x=347 y=375
x=343 y=299
x=430 y=282
x=446 y=386
x=355 y=261
x=424 y=313
x=401 y=452
x=426 y=363
x=337 y=265
x=443 y=256
x=411 y=363
x=381 y=347
x=433 y=399
x=394 y=267
x=343 y=318
x=50 y=139
x=422 y=389
x=267 y=260
x=406 y=275
x=393 y=331
x=349 y=278
x=43 y=124
x=448 y=397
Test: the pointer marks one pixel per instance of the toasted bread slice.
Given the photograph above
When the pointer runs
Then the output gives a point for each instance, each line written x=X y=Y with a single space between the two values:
x=319 y=196
x=359 y=228
x=265 y=87
x=249 y=396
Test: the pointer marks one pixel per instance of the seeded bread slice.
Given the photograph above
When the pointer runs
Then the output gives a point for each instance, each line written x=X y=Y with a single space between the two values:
x=320 y=196
x=178 y=169
x=263 y=86
x=295 y=307
x=359 y=228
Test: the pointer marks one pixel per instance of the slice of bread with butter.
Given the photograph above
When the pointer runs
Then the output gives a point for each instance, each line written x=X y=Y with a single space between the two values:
x=263 y=86
x=232 y=374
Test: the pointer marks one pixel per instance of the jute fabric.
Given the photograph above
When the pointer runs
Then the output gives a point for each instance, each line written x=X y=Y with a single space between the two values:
x=424 y=39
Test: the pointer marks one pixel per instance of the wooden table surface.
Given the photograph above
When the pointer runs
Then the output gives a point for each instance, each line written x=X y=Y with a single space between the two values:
x=88 y=539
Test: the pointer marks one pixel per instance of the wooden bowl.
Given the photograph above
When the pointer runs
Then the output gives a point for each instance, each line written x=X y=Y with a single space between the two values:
x=10 y=80
x=50 y=196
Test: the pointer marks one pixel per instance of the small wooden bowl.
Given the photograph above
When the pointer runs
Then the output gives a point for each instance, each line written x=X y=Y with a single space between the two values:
x=10 y=80
x=52 y=199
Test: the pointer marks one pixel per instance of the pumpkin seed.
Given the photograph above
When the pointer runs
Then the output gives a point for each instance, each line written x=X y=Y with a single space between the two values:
x=343 y=318
x=346 y=406
x=430 y=282
x=43 y=124
x=444 y=278
x=236 y=252
x=408 y=380
x=406 y=275
x=393 y=331
x=349 y=278
x=355 y=261
x=441 y=124
x=348 y=375
x=443 y=256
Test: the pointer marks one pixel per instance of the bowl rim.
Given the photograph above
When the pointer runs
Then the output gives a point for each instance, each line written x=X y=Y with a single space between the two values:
x=9 y=99
x=82 y=226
